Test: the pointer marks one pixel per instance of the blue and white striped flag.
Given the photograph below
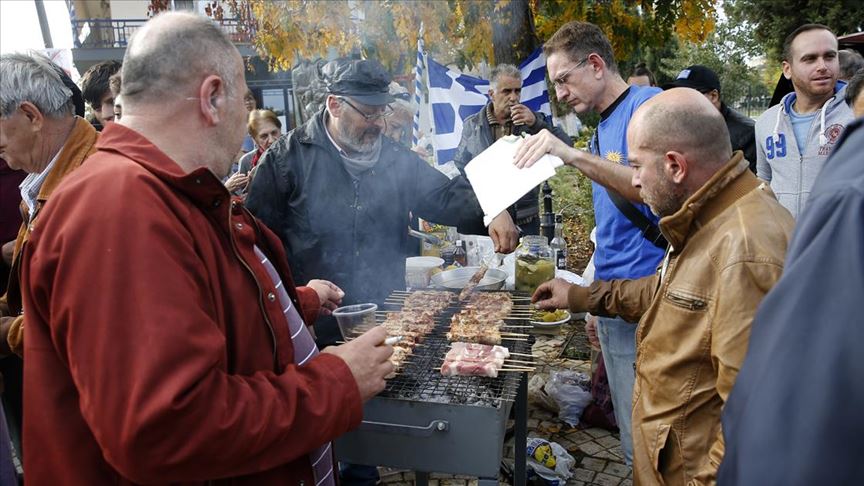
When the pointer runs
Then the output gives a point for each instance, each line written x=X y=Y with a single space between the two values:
x=452 y=93
x=418 y=87
x=535 y=94
x=453 y=97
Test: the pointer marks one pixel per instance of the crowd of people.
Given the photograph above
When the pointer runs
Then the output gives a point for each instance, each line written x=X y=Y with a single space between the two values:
x=171 y=297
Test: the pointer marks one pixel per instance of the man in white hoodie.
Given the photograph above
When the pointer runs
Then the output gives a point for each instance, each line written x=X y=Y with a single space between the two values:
x=794 y=138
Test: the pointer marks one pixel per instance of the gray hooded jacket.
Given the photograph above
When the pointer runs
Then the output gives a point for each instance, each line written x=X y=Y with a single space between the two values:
x=791 y=174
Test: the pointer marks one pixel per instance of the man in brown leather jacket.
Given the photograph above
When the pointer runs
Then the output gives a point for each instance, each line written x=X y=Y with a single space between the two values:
x=728 y=237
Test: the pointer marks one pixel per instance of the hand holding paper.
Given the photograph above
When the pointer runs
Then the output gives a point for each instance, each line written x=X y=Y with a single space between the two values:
x=498 y=183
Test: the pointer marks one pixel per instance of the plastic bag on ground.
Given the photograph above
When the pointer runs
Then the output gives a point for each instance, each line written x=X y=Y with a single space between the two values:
x=572 y=391
x=549 y=460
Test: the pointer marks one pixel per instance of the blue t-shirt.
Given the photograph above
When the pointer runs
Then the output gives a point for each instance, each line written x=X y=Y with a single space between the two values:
x=622 y=252
x=801 y=127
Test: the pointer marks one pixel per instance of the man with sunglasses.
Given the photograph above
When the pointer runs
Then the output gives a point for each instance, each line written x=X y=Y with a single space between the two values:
x=340 y=194
x=629 y=246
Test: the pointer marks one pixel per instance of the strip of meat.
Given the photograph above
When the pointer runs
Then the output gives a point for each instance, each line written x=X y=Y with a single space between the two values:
x=473 y=282
x=462 y=368
x=478 y=350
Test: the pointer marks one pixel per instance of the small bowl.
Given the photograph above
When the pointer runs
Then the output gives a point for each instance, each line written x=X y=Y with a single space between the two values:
x=354 y=320
x=566 y=318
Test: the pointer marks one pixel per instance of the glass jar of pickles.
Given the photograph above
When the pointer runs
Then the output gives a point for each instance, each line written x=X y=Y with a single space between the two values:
x=535 y=263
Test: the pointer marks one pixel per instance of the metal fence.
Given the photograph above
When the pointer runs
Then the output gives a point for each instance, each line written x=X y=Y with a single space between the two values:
x=111 y=33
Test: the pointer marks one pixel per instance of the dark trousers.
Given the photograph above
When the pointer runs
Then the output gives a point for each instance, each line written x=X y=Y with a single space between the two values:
x=357 y=475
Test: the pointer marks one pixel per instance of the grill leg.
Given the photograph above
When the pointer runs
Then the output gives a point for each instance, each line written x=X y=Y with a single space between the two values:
x=421 y=478
x=521 y=426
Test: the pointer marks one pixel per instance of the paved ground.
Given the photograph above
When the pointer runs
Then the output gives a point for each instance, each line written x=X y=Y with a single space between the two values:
x=599 y=460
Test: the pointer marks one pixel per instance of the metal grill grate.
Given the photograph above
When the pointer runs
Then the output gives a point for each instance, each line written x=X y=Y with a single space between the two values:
x=420 y=378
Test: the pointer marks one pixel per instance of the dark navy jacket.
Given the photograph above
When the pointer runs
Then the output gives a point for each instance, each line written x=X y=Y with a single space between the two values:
x=352 y=232
x=794 y=416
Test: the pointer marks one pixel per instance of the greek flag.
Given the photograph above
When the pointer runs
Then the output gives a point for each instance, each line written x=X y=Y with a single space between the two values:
x=454 y=96
x=418 y=87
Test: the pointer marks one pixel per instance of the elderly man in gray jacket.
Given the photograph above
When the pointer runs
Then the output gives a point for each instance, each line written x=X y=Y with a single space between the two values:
x=505 y=115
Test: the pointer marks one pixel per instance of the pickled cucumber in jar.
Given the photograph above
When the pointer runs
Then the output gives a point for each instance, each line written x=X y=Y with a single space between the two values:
x=531 y=271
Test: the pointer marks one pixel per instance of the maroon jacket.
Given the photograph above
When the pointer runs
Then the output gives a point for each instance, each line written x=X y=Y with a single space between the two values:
x=10 y=214
x=154 y=352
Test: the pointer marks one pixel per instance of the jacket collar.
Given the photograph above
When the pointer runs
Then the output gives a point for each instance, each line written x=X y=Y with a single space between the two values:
x=201 y=185
x=725 y=187
x=77 y=147
x=313 y=132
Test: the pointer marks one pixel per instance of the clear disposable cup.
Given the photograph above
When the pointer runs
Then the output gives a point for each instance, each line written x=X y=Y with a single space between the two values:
x=354 y=320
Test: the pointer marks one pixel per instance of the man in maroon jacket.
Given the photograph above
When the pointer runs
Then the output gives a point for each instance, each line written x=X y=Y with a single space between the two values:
x=164 y=342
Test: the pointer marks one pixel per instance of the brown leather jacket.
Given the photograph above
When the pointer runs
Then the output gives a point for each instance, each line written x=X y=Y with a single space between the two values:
x=727 y=245
x=80 y=144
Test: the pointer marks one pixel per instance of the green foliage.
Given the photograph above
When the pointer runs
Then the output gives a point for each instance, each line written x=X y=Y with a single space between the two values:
x=726 y=51
x=773 y=20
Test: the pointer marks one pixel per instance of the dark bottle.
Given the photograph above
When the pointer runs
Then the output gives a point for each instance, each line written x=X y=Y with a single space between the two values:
x=460 y=256
x=559 y=244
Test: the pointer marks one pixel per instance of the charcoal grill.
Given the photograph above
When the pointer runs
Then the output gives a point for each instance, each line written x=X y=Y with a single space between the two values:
x=427 y=422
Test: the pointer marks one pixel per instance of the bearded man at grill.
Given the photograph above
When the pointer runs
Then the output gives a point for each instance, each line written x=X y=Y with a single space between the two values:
x=340 y=194
x=728 y=237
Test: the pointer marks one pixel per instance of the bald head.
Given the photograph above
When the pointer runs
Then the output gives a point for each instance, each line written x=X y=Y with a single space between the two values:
x=676 y=141
x=683 y=120
x=173 y=51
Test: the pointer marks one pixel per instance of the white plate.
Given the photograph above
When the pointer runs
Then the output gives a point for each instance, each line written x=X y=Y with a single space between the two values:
x=552 y=324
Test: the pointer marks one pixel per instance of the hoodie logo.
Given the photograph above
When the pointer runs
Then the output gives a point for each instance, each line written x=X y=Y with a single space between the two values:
x=833 y=132
x=775 y=148
x=828 y=138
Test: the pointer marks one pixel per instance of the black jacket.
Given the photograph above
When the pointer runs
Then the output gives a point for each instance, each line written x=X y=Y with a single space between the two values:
x=794 y=415
x=477 y=136
x=352 y=232
x=742 y=134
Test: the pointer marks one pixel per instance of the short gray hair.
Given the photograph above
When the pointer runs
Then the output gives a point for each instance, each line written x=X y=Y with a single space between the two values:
x=172 y=50
x=500 y=70
x=33 y=78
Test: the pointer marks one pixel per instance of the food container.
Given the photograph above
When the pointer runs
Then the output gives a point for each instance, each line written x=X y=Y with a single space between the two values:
x=419 y=269
x=458 y=278
x=354 y=320
x=535 y=263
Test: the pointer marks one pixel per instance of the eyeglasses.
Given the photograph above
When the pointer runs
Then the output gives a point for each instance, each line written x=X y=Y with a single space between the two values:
x=562 y=79
x=384 y=113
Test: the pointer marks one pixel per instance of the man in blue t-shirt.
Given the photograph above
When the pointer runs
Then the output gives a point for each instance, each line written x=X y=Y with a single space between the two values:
x=581 y=64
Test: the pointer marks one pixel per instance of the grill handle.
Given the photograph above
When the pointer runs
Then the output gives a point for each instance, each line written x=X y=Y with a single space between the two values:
x=412 y=430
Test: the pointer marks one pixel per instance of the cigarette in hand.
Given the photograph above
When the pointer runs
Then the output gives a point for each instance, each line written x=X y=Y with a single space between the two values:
x=390 y=341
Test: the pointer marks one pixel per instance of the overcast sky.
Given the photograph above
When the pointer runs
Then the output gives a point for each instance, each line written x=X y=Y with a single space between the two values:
x=19 y=25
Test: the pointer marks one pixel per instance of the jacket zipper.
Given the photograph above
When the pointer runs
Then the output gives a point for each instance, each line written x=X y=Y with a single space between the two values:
x=260 y=290
x=686 y=302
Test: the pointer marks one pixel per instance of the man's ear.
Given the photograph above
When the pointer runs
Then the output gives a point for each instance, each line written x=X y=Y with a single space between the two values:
x=35 y=118
x=787 y=70
x=334 y=106
x=211 y=98
x=676 y=166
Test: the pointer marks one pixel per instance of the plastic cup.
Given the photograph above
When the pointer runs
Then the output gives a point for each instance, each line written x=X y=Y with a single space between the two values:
x=354 y=320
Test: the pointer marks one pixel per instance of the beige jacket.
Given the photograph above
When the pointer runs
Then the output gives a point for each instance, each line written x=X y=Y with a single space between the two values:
x=727 y=245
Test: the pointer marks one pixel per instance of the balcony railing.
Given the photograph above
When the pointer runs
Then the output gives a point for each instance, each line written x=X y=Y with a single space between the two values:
x=107 y=33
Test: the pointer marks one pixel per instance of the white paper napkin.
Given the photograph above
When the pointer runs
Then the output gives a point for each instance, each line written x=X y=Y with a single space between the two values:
x=498 y=183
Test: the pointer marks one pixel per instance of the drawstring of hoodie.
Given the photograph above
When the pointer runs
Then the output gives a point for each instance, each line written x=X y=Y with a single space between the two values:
x=822 y=138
